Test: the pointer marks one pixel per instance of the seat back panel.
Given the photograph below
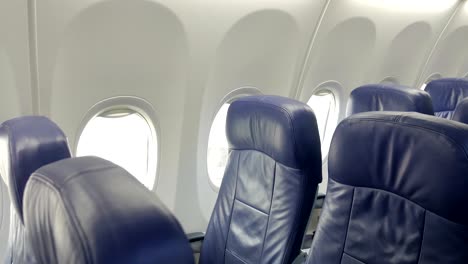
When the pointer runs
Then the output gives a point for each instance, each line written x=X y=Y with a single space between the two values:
x=397 y=186
x=269 y=184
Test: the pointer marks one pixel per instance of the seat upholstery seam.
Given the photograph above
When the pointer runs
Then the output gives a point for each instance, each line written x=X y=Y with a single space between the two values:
x=349 y=223
x=262 y=152
x=253 y=207
x=353 y=257
x=269 y=212
x=422 y=236
x=237 y=256
x=71 y=215
x=299 y=211
x=402 y=197
x=417 y=127
x=72 y=176
x=232 y=207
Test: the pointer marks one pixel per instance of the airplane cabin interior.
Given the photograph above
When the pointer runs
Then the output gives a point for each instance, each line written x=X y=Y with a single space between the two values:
x=234 y=132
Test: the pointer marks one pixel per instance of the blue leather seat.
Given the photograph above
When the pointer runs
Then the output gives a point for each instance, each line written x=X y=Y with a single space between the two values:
x=396 y=192
x=26 y=143
x=388 y=97
x=269 y=185
x=461 y=112
x=89 y=210
x=446 y=93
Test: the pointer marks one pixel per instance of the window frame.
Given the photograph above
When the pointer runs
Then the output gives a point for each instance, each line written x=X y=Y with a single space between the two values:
x=137 y=105
x=338 y=92
x=390 y=80
x=227 y=99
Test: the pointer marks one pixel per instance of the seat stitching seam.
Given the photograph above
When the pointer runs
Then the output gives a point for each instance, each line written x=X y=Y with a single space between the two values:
x=262 y=152
x=232 y=207
x=349 y=223
x=353 y=257
x=402 y=197
x=417 y=127
x=422 y=236
x=298 y=210
x=269 y=212
x=237 y=256
x=253 y=207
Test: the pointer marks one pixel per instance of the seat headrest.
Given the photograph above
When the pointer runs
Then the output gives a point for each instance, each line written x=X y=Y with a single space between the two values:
x=461 y=112
x=419 y=157
x=446 y=93
x=26 y=144
x=388 y=97
x=89 y=210
x=282 y=128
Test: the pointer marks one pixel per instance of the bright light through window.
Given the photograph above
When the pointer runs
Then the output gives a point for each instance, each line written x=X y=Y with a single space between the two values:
x=125 y=138
x=218 y=148
x=324 y=105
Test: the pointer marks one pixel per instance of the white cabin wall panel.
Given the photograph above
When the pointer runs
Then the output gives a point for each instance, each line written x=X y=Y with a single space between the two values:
x=258 y=44
x=407 y=31
x=451 y=53
x=378 y=40
x=115 y=48
x=15 y=85
x=182 y=57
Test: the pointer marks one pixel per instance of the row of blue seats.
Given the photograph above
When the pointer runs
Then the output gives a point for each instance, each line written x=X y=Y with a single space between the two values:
x=396 y=183
x=445 y=98
x=79 y=210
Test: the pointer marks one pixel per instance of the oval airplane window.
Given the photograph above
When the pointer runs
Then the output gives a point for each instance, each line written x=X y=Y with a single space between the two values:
x=323 y=102
x=390 y=80
x=124 y=137
x=218 y=148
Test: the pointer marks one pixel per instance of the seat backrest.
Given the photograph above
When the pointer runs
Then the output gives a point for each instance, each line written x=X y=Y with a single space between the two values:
x=269 y=185
x=26 y=144
x=446 y=93
x=397 y=185
x=89 y=210
x=388 y=97
x=461 y=112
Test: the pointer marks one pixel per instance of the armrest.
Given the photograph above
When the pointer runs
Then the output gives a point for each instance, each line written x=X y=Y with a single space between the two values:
x=319 y=201
x=195 y=237
x=196 y=241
